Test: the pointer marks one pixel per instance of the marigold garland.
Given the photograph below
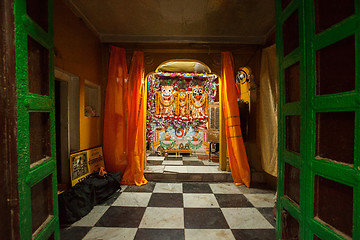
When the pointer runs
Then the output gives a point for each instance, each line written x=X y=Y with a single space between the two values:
x=188 y=104
x=157 y=107
x=206 y=104
x=155 y=120
x=177 y=102
x=201 y=104
x=166 y=104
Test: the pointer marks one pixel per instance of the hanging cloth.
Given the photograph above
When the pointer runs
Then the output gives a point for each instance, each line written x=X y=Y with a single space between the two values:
x=268 y=111
x=239 y=165
x=135 y=141
x=114 y=137
x=124 y=115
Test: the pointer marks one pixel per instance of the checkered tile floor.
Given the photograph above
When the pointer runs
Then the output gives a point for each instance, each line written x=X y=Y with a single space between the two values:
x=180 y=164
x=179 y=160
x=180 y=211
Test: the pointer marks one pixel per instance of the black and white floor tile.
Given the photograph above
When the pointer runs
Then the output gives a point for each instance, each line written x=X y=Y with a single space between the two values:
x=180 y=211
x=185 y=168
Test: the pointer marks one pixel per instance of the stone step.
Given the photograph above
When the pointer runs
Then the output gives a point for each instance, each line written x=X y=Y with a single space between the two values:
x=257 y=177
x=191 y=169
x=189 y=177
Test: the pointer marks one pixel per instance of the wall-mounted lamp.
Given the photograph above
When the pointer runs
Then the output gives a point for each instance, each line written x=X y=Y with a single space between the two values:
x=243 y=75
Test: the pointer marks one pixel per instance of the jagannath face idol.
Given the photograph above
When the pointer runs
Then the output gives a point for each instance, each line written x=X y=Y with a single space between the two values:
x=197 y=91
x=167 y=91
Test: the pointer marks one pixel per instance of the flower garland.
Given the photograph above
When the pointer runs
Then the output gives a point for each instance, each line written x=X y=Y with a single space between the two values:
x=203 y=97
x=157 y=105
x=155 y=121
x=184 y=75
x=177 y=103
x=188 y=104
x=166 y=104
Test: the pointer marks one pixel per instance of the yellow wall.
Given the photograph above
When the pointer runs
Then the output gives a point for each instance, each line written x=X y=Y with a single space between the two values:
x=78 y=51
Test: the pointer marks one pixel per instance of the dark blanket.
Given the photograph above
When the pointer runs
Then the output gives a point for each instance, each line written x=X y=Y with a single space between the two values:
x=78 y=201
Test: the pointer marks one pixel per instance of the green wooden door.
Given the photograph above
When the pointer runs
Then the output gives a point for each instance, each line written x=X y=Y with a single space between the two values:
x=36 y=120
x=319 y=121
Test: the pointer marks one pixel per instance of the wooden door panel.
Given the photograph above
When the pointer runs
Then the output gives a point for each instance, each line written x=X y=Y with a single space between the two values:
x=292 y=131
x=330 y=12
x=285 y=3
x=41 y=203
x=37 y=10
x=333 y=204
x=291 y=33
x=318 y=46
x=39 y=133
x=36 y=119
x=292 y=183
x=38 y=68
x=290 y=226
x=292 y=83
x=335 y=136
x=335 y=67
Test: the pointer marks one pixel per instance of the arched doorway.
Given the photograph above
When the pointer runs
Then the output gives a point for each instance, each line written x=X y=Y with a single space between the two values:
x=183 y=114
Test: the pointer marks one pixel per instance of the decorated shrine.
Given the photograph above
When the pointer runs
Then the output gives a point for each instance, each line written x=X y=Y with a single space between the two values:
x=178 y=111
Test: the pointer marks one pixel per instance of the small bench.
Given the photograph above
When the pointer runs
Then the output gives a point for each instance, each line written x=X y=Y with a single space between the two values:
x=178 y=151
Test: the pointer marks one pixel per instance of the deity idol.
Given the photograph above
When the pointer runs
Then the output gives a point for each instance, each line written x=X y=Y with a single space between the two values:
x=183 y=103
x=199 y=102
x=166 y=100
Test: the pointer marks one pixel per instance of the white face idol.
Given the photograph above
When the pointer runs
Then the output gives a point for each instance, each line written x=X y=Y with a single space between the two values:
x=197 y=91
x=167 y=91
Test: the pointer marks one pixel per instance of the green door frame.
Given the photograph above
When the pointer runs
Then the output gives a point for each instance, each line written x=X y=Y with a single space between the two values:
x=307 y=107
x=31 y=174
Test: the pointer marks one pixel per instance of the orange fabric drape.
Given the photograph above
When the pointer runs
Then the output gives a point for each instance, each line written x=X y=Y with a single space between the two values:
x=239 y=165
x=124 y=116
x=115 y=112
x=135 y=141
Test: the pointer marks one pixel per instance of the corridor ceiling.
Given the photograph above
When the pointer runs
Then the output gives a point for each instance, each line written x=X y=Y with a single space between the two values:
x=178 y=21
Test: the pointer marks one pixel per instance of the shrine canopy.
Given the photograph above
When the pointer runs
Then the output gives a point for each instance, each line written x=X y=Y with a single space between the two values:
x=183 y=66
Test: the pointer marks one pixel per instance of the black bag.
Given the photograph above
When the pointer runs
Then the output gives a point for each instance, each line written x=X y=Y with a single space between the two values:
x=105 y=187
x=79 y=200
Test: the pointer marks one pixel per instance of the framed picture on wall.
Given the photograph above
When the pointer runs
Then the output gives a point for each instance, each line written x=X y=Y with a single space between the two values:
x=83 y=163
x=79 y=165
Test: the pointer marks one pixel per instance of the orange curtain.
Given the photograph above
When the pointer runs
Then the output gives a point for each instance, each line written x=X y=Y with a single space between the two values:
x=115 y=112
x=125 y=109
x=135 y=141
x=239 y=165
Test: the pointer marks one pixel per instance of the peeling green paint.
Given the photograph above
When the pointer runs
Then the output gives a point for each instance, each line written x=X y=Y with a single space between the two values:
x=306 y=108
x=28 y=102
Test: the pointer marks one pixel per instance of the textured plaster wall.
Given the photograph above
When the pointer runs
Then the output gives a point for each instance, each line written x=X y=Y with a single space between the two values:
x=78 y=51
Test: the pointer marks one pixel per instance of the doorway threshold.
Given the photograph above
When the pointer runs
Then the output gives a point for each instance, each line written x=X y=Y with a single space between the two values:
x=178 y=168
